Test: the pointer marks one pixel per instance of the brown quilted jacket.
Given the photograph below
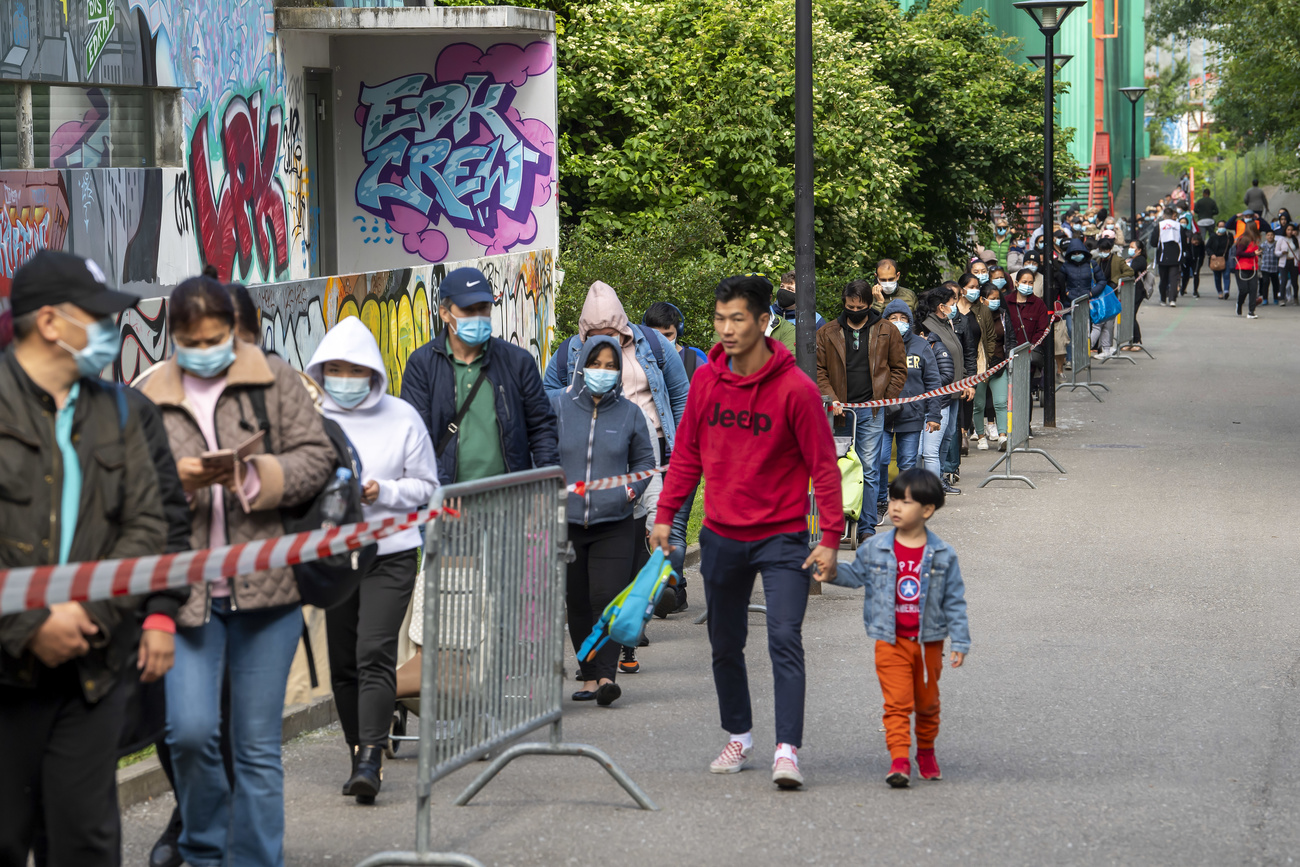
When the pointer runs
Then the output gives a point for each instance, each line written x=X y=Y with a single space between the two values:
x=302 y=461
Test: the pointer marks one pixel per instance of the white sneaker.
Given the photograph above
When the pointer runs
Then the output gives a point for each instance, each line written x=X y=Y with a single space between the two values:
x=991 y=428
x=983 y=444
x=1251 y=316
x=785 y=773
x=733 y=760
x=1173 y=303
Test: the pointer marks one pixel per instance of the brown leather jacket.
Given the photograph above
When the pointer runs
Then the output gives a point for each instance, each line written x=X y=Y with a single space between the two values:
x=888 y=361
x=296 y=472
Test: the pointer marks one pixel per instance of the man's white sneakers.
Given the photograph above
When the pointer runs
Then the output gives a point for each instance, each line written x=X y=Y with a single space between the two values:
x=734 y=759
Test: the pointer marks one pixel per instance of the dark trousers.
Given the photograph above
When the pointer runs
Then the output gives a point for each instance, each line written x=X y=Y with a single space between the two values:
x=1169 y=283
x=729 y=567
x=602 y=567
x=1137 y=305
x=362 y=634
x=58 y=773
x=1223 y=283
x=1247 y=287
x=1271 y=278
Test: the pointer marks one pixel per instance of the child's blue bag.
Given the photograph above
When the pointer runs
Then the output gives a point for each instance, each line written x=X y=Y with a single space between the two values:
x=625 y=618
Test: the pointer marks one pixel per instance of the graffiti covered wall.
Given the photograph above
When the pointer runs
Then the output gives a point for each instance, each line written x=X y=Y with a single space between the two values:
x=447 y=158
x=400 y=308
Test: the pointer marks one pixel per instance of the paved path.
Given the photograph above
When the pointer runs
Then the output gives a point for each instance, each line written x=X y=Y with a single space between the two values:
x=1131 y=698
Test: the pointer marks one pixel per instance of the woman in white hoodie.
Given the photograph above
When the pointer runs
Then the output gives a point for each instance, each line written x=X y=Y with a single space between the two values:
x=398 y=475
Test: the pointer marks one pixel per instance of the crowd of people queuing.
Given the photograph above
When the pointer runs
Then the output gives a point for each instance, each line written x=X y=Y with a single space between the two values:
x=90 y=470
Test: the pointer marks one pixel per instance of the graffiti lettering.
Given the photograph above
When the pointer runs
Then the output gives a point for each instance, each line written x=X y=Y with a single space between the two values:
x=249 y=208
x=453 y=148
x=20 y=240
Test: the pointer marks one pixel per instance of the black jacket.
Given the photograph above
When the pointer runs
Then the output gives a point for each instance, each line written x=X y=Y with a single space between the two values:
x=175 y=507
x=1084 y=278
x=525 y=419
x=120 y=515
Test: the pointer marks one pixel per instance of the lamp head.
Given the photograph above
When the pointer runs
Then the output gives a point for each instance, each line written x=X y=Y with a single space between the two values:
x=1040 y=60
x=1133 y=93
x=1049 y=15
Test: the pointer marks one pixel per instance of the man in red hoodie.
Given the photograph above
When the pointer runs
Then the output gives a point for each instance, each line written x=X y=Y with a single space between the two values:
x=753 y=414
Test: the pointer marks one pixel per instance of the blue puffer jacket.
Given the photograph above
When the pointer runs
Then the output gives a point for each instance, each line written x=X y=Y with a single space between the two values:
x=922 y=376
x=668 y=384
x=525 y=419
x=1082 y=279
x=943 y=593
x=598 y=440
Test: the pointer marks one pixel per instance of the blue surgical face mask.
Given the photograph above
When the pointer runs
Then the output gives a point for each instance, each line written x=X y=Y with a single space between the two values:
x=1221 y=231
x=474 y=330
x=902 y=327
x=994 y=305
x=1025 y=289
x=972 y=294
x=1032 y=267
x=206 y=363
x=103 y=343
x=347 y=391
x=982 y=277
x=599 y=381
x=1000 y=282
x=952 y=312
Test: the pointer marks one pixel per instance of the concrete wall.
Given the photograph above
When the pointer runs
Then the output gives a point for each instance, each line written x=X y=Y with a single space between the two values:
x=445 y=148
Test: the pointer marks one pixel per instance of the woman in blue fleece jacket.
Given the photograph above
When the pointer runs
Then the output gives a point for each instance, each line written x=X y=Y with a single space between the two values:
x=602 y=434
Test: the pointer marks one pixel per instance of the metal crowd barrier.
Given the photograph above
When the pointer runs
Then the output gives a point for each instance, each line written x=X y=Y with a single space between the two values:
x=1081 y=350
x=1124 y=322
x=1019 y=408
x=494 y=640
x=1127 y=320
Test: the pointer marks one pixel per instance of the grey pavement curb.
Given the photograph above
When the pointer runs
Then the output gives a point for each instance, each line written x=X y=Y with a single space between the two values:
x=145 y=780
x=693 y=555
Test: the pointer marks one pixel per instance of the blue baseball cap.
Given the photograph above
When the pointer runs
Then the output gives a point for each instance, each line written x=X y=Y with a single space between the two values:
x=465 y=287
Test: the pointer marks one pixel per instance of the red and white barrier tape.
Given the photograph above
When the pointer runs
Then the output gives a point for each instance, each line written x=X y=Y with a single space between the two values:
x=951 y=388
x=581 y=488
x=42 y=586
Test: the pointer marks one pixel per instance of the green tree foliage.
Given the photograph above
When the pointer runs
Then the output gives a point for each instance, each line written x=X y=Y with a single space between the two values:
x=923 y=124
x=1166 y=99
x=1258 y=63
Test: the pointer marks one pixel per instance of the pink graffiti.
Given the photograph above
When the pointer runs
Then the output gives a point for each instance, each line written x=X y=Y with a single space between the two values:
x=251 y=188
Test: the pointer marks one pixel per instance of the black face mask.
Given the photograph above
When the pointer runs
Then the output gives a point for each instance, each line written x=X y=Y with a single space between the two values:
x=856 y=317
x=784 y=298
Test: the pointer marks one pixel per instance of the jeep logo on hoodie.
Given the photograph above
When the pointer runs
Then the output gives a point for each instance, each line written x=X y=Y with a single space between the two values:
x=757 y=422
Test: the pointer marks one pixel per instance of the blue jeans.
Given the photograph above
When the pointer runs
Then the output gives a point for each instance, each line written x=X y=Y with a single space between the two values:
x=950 y=450
x=909 y=445
x=932 y=443
x=246 y=828
x=677 y=535
x=867 y=444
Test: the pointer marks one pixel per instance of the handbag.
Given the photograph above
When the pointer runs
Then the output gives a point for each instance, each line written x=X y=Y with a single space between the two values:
x=1104 y=307
x=1218 y=263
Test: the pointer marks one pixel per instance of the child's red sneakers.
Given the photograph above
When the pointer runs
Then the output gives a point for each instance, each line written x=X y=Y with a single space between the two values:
x=927 y=766
x=900 y=773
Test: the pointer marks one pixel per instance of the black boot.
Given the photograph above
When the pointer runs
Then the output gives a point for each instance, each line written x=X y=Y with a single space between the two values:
x=167 y=852
x=347 y=786
x=369 y=774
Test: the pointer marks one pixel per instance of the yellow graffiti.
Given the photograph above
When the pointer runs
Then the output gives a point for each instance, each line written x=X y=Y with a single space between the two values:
x=400 y=323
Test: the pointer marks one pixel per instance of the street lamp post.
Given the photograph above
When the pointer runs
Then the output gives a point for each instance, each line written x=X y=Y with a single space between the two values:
x=1133 y=94
x=1049 y=15
x=804 y=248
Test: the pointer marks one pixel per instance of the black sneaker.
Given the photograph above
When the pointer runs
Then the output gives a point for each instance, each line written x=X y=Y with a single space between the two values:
x=949 y=489
x=628 y=664
x=680 y=592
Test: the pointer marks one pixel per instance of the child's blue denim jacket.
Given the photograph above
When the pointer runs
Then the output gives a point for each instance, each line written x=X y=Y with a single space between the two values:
x=943 y=594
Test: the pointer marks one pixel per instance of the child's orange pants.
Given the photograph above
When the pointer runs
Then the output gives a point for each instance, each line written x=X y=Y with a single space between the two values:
x=901 y=683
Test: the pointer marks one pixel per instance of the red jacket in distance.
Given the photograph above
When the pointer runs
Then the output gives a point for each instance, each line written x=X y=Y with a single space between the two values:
x=1027 y=322
x=757 y=440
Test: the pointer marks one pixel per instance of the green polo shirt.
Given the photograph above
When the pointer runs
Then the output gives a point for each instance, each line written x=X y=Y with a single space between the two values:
x=70 y=502
x=478 y=441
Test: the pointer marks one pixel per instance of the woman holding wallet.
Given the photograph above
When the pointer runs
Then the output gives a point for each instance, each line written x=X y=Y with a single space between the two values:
x=213 y=394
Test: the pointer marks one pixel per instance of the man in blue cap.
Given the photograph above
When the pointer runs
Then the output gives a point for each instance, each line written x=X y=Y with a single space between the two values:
x=481 y=397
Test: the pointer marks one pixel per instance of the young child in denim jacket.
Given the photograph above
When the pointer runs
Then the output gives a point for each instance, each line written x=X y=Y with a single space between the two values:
x=915 y=599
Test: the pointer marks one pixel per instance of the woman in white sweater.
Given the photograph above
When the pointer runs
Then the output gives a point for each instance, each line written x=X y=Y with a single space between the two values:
x=398 y=475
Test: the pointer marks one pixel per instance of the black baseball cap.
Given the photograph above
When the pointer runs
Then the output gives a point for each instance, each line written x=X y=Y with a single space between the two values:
x=52 y=277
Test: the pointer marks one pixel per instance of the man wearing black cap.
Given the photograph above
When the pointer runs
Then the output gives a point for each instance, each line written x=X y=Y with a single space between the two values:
x=481 y=397
x=76 y=484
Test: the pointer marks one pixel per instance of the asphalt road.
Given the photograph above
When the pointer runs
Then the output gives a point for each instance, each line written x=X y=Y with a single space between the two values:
x=1131 y=697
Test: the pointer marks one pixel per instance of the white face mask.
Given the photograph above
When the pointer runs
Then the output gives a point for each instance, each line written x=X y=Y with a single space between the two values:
x=888 y=286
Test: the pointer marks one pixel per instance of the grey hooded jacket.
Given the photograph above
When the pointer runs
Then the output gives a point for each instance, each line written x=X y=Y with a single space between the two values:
x=598 y=440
